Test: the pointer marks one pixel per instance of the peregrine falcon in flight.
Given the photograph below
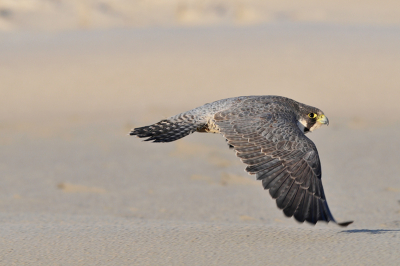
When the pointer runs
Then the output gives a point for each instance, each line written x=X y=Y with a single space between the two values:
x=268 y=135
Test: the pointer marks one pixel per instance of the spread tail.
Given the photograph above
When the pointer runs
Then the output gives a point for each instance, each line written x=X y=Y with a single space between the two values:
x=165 y=131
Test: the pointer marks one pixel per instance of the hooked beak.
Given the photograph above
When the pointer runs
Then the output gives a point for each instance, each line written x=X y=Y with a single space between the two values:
x=323 y=120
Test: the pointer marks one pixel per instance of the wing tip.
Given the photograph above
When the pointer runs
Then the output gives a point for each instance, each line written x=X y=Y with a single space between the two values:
x=344 y=224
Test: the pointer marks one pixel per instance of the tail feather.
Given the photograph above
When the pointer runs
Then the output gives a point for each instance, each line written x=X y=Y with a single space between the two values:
x=165 y=131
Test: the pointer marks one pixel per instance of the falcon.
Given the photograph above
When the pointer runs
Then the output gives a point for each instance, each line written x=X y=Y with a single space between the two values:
x=268 y=135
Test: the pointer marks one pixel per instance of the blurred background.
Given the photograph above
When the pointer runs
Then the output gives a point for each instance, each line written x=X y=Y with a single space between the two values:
x=59 y=15
x=77 y=76
x=88 y=56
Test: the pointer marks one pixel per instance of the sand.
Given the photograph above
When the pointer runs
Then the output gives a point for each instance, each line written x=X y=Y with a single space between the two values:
x=76 y=190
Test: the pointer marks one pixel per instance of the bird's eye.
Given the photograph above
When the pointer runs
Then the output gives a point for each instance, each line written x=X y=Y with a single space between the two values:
x=312 y=115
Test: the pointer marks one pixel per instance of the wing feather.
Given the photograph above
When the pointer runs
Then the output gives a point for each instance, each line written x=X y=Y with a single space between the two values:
x=277 y=184
x=290 y=195
x=268 y=163
x=250 y=155
x=247 y=149
x=291 y=208
x=285 y=193
x=308 y=207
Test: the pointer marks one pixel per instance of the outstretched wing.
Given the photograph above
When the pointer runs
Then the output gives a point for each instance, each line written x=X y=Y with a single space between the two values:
x=280 y=155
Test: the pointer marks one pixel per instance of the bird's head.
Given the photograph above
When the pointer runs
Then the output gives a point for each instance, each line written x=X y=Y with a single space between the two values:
x=311 y=118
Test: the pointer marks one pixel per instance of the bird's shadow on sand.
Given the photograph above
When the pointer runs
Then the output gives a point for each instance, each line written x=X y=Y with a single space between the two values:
x=370 y=231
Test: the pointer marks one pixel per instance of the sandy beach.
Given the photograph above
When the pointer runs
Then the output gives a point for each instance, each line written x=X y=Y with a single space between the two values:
x=75 y=189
